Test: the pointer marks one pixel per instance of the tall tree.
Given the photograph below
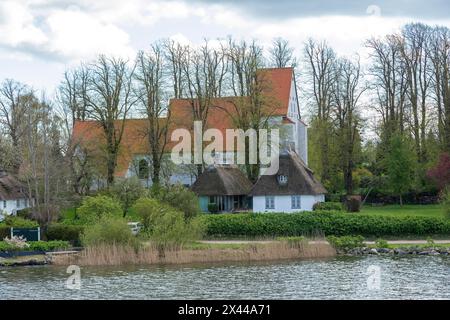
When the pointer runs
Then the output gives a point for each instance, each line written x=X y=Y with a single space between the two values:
x=347 y=93
x=108 y=100
x=320 y=75
x=151 y=90
x=282 y=54
x=12 y=116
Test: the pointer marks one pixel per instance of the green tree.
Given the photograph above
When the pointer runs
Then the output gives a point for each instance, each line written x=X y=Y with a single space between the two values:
x=127 y=191
x=108 y=230
x=400 y=165
x=95 y=208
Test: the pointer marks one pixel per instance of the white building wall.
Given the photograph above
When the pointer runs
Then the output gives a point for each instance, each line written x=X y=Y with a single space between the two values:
x=10 y=206
x=283 y=203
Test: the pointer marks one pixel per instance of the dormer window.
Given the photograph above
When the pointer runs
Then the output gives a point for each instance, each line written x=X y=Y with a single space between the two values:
x=282 y=179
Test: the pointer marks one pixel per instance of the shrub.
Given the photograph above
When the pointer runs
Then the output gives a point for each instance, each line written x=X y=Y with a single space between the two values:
x=164 y=225
x=127 y=191
x=353 y=203
x=59 y=231
x=17 y=222
x=380 y=243
x=324 y=222
x=213 y=208
x=25 y=213
x=18 y=243
x=181 y=198
x=149 y=209
x=346 y=242
x=108 y=230
x=36 y=246
x=328 y=206
x=98 y=207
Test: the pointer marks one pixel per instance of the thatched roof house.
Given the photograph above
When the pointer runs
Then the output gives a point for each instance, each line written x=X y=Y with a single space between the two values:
x=293 y=188
x=13 y=194
x=225 y=186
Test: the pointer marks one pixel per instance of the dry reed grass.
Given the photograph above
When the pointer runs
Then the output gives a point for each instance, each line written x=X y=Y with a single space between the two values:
x=126 y=255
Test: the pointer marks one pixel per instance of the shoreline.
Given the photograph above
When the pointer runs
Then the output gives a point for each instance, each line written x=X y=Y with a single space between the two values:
x=225 y=251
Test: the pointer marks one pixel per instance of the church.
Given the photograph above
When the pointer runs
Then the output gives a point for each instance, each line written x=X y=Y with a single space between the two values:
x=300 y=190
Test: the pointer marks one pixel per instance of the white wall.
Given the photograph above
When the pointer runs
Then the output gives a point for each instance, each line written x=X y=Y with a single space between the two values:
x=283 y=203
x=11 y=206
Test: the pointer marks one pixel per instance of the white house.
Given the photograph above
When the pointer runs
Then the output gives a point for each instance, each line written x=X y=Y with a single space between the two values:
x=13 y=195
x=293 y=188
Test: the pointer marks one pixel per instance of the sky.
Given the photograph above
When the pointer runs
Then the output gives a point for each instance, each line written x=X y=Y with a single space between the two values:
x=39 y=39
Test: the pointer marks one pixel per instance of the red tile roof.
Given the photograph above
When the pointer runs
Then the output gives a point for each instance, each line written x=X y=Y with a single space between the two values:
x=134 y=142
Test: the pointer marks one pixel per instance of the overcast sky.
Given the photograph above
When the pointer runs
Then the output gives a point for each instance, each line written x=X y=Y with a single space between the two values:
x=39 y=39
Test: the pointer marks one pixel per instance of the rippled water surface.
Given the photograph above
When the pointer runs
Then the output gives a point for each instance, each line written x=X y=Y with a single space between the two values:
x=339 y=278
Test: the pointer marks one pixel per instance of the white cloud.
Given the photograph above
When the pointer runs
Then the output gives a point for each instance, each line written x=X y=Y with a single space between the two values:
x=17 y=25
x=78 y=35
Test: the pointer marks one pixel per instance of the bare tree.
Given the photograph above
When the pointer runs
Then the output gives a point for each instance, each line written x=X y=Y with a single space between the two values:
x=282 y=54
x=413 y=45
x=320 y=61
x=203 y=71
x=347 y=93
x=176 y=53
x=12 y=116
x=151 y=91
x=439 y=48
x=251 y=107
x=389 y=83
x=108 y=101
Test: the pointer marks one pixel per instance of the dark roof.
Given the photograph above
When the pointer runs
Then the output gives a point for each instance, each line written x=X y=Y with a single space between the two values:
x=300 y=179
x=222 y=180
x=10 y=187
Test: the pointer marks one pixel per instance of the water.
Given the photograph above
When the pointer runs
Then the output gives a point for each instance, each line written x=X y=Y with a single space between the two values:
x=338 y=278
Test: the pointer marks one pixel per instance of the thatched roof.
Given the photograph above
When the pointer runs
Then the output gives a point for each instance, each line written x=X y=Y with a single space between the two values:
x=300 y=179
x=222 y=180
x=10 y=187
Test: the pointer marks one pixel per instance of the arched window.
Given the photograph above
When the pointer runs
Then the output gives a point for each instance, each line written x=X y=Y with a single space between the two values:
x=143 y=169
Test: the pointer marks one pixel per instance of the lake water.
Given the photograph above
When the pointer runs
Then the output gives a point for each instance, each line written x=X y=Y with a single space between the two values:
x=415 y=277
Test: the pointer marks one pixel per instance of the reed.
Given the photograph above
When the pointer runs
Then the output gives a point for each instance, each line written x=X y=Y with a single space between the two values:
x=126 y=255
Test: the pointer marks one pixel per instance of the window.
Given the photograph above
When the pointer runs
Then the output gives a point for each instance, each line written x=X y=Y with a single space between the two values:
x=282 y=179
x=296 y=202
x=143 y=169
x=4 y=204
x=18 y=203
x=270 y=202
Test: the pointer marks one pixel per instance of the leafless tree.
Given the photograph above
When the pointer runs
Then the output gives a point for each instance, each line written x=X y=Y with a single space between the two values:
x=413 y=44
x=320 y=74
x=282 y=54
x=12 y=116
x=108 y=101
x=151 y=90
x=347 y=93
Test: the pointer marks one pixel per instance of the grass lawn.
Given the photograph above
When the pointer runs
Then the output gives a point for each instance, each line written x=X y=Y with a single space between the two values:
x=430 y=210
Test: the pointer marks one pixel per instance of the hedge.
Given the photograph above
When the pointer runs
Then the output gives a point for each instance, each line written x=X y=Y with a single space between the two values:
x=59 y=231
x=327 y=223
x=36 y=246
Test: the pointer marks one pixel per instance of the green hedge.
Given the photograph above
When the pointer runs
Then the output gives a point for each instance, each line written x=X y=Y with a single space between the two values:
x=328 y=206
x=59 y=231
x=327 y=223
x=36 y=246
